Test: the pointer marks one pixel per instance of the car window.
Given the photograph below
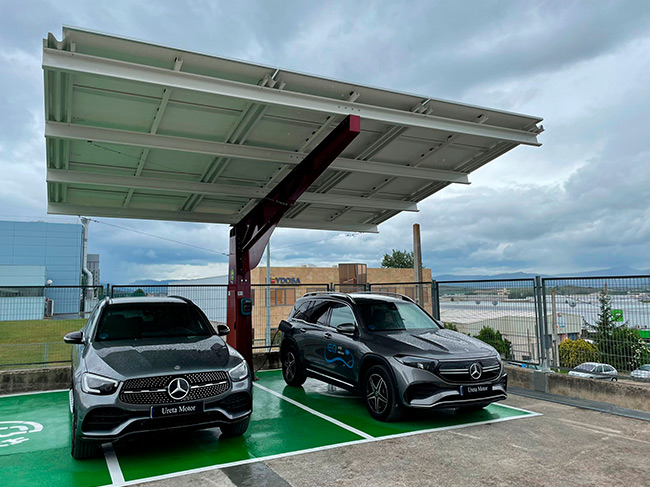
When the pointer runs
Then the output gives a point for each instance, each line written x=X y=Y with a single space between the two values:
x=341 y=313
x=319 y=313
x=150 y=320
x=301 y=311
x=646 y=367
x=599 y=369
x=608 y=368
x=586 y=367
x=390 y=315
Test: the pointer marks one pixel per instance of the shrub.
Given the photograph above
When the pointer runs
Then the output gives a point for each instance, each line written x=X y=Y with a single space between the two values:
x=494 y=338
x=575 y=352
x=451 y=326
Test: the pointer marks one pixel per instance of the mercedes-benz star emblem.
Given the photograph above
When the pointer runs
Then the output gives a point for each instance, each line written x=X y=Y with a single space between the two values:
x=475 y=371
x=178 y=388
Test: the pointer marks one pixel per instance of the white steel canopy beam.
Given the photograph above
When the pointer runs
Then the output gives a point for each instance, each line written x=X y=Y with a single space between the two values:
x=212 y=189
x=58 y=60
x=186 y=216
x=166 y=142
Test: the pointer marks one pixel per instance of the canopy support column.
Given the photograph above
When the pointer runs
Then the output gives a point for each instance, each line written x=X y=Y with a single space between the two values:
x=249 y=237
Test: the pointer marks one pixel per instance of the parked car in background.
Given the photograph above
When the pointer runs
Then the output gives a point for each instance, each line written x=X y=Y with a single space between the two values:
x=149 y=364
x=594 y=370
x=642 y=372
x=390 y=351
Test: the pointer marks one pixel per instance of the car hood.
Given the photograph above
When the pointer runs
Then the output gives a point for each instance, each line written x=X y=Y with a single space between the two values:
x=437 y=342
x=148 y=357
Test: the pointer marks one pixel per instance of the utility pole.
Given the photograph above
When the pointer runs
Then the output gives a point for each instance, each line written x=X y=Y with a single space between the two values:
x=268 y=295
x=417 y=264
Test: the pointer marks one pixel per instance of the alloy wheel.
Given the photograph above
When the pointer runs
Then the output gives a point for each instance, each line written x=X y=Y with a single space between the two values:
x=377 y=393
x=290 y=366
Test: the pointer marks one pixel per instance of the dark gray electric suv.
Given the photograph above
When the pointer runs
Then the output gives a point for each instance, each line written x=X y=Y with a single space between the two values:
x=147 y=364
x=389 y=350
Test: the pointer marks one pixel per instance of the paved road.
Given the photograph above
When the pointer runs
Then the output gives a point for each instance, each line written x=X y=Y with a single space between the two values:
x=566 y=446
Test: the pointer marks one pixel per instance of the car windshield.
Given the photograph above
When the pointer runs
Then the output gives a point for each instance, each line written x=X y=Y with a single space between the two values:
x=150 y=320
x=390 y=315
x=586 y=367
x=645 y=367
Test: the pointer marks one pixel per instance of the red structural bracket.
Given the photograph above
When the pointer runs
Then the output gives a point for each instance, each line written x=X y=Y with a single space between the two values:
x=249 y=237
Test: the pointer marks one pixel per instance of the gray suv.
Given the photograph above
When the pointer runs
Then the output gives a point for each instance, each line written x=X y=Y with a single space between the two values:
x=148 y=364
x=389 y=350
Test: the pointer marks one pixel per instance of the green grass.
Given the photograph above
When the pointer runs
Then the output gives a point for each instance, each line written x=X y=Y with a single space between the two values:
x=35 y=341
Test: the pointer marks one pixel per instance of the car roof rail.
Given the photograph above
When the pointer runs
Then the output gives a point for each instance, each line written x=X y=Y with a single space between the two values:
x=333 y=294
x=386 y=293
x=182 y=298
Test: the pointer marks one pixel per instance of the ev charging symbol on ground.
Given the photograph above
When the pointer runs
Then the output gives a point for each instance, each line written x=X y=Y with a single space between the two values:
x=10 y=431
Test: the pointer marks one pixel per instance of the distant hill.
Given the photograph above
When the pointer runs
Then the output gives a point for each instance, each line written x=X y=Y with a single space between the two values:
x=612 y=271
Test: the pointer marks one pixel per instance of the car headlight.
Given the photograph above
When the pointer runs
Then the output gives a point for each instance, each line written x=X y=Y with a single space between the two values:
x=96 y=384
x=239 y=372
x=418 y=362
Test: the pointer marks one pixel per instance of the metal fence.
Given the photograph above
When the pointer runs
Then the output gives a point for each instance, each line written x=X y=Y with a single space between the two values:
x=611 y=315
x=34 y=320
x=535 y=321
x=508 y=307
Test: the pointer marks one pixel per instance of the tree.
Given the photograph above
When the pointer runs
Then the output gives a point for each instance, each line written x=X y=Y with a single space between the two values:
x=494 y=338
x=399 y=259
x=575 y=352
x=604 y=324
x=620 y=346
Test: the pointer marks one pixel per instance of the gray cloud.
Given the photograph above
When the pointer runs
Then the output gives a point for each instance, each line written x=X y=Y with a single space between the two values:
x=579 y=202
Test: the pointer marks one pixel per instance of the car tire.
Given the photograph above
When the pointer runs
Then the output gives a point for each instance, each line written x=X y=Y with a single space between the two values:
x=380 y=394
x=292 y=370
x=234 y=429
x=614 y=379
x=80 y=449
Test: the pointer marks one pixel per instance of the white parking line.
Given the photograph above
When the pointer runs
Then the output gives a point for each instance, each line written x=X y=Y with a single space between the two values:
x=322 y=448
x=317 y=413
x=117 y=478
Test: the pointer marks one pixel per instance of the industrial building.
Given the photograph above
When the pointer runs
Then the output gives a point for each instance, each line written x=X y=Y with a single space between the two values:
x=36 y=259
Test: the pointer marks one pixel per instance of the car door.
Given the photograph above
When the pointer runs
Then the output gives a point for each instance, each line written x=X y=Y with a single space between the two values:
x=342 y=353
x=598 y=373
x=312 y=335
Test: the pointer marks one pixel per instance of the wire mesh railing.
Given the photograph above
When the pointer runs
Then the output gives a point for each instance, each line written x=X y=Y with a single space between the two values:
x=271 y=304
x=34 y=320
x=560 y=321
x=598 y=319
x=502 y=313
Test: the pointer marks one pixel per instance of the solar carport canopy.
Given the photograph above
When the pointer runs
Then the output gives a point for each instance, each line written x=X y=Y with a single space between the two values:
x=136 y=130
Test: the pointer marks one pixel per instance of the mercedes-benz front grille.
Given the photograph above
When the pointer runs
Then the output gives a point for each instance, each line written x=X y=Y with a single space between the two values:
x=458 y=371
x=153 y=390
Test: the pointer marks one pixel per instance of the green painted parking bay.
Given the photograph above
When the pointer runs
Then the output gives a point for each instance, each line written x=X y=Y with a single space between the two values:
x=35 y=435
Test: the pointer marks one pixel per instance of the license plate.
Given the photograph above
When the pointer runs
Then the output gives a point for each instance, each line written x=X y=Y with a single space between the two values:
x=167 y=410
x=471 y=390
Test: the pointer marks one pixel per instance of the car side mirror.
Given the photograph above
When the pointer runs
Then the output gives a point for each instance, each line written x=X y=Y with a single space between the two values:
x=223 y=330
x=347 y=329
x=74 y=338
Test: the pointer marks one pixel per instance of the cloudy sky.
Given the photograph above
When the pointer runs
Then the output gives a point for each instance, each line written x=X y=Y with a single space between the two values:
x=580 y=202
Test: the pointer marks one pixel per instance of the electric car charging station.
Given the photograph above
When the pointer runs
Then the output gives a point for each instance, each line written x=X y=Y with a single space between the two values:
x=142 y=131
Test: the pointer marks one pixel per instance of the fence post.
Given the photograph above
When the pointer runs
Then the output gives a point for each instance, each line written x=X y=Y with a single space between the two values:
x=540 y=306
x=435 y=299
